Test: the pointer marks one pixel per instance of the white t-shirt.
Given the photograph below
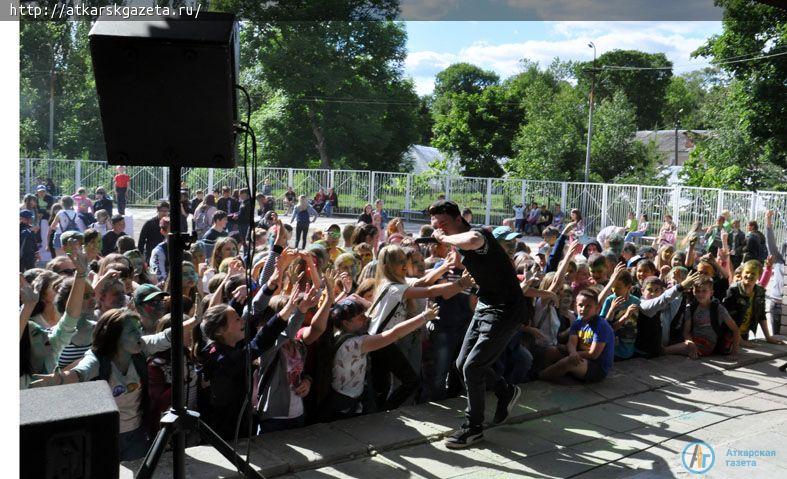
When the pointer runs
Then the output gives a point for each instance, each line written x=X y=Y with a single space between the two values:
x=349 y=368
x=392 y=298
x=126 y=388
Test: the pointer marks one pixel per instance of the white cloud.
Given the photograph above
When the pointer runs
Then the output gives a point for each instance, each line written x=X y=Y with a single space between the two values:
x=675 y=39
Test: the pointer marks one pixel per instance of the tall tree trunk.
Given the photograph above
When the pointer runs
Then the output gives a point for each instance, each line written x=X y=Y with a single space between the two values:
x=319 y=139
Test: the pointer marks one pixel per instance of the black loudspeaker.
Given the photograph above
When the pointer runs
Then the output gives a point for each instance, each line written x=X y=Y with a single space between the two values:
x=166 y=89
x=69 y=432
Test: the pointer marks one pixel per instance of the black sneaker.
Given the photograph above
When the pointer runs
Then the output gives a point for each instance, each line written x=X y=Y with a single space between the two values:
x=505 y=403
x=464 y=437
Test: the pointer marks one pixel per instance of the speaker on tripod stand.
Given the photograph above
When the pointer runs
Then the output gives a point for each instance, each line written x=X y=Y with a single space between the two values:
x=167 y=95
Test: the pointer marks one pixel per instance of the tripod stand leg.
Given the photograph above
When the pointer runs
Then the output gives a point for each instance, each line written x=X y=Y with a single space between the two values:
x=209 y=435
x=154 y=453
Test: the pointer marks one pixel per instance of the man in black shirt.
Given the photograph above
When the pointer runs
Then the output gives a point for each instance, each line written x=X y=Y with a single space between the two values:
x=245 y=209
x=198 y=197
x=150 y=236
x=109 y=240
x=500 y=311
x=229 y=205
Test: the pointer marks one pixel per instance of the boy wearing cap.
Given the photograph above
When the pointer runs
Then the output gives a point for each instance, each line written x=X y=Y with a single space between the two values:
x=45 y=201
x=500 y=311
x=27 y=242
x=149 y=303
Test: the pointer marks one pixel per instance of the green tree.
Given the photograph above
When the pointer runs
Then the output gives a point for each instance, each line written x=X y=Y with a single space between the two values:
x=646 y=89
x=551 y=143
x=347 y=103
x=614 y=152
x=751 y=32
x=463 y=78
x=732 y=157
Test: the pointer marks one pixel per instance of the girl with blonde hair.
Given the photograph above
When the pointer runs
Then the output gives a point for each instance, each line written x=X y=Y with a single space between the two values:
x=393 y=304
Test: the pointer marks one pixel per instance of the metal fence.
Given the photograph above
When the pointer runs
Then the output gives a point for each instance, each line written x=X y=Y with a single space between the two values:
x=406 y=194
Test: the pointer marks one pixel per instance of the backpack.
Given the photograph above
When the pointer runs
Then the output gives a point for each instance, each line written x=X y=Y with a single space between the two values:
x=201 y=222
x=723 y=333
x=72 y=223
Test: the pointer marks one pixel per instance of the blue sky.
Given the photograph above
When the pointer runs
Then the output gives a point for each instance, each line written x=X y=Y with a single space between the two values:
x=499 y=46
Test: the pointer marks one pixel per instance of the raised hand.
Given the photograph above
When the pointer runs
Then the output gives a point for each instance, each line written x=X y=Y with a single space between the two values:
x=466 y=281
x=240 y=293
x=346 y=281
x=27 y=295
x=310 y=299
x=690 y=279
x=569 y=227
x=431 y=313
x=79 y=258
x=235 y=268
x=330 y=278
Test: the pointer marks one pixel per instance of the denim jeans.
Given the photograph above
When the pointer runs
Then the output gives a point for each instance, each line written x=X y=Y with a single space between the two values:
x=633 y=235
x=301 y=233
x=385 y=362
x=120 y=194
x=773 y=311
x=133 y=444
x=327 y=209
x=489 y=333
x=515 y=362
x=445 y=345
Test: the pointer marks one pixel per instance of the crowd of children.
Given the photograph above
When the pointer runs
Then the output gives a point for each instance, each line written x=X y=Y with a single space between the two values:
x=369 y=317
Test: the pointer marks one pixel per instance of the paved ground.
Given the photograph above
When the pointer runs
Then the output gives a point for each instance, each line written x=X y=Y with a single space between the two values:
x=636 y=423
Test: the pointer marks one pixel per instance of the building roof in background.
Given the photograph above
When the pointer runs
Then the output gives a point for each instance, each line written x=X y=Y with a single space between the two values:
x=665 y=139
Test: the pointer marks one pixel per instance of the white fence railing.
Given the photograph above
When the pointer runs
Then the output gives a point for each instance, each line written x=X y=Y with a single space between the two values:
x=490 y=199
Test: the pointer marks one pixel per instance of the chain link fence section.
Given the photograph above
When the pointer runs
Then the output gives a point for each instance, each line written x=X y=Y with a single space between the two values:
x=409 y=195
x=696 y=206
x=352 y=190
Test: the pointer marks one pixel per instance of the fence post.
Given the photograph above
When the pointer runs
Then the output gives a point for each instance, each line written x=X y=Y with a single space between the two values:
x=563 y=195
x=720 y=202
x=407 y=201
x=676 y=206
x=371 y=188
x=524 y=192
x=604 y=205
x=639 y=202
x=165 y=176
x=447 y=187
x=28 y=174
x=289 y=177
x=78 y=175
x=330 y=178
x=753 y=211
x=488 y=201
x=210 y=181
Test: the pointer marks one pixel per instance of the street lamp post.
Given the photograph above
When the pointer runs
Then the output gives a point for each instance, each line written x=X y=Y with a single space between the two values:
x=677 y=126
x=590 y=135
x=590 y=114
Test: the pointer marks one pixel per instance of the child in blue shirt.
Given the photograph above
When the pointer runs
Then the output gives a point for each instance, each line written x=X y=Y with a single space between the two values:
x=590 y=344
x=620 y=311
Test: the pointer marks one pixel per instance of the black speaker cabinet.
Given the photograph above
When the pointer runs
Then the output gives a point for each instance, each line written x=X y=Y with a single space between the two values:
x=69 y=431
x=166 y=89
